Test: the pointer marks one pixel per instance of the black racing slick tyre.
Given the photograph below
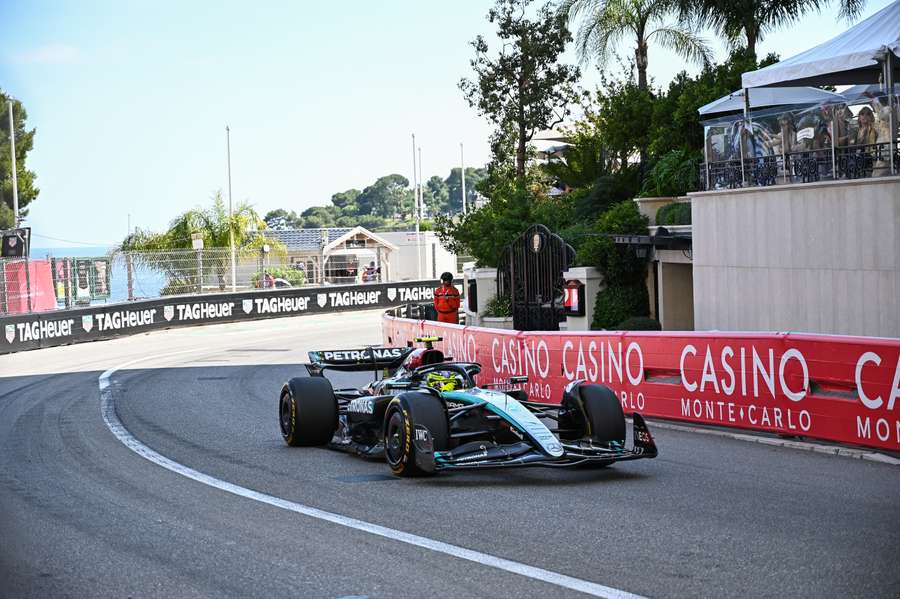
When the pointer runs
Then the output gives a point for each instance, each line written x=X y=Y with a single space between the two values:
x=307 y=411
x=605 y=418
x=592 y=412
x=403 y=414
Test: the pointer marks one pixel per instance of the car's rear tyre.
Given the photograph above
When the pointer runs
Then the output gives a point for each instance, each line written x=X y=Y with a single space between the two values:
x=400 y=419
x=307 y=411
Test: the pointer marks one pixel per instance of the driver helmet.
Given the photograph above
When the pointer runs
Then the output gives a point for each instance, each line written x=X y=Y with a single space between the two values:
x=443 y=381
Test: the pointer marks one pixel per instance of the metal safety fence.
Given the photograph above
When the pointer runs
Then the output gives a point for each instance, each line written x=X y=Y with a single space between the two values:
x=52 y=282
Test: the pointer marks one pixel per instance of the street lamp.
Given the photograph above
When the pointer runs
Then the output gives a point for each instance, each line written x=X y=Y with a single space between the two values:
x=230 y=224
x=462 y=175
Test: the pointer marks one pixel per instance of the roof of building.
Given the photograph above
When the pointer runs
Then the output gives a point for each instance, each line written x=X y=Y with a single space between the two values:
x=306 y=239
x=314 y=239
x=357 y=230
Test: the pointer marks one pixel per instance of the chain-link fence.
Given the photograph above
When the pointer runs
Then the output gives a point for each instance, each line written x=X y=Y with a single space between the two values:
x=53 y=282
x=37 y=285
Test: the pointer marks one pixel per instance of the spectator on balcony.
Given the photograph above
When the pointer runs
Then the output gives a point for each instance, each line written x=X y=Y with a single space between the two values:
x=841 y=127
x=866 y=134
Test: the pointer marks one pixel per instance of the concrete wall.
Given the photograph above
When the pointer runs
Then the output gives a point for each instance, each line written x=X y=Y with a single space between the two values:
x=435 y=258
x=593 y=283
x=676 y=296
x=821 y=258
x=486 y=282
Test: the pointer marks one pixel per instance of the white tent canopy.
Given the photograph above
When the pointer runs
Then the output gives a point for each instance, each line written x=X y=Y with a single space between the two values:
x=852 y=57
x=768 y=96
x=857 y=92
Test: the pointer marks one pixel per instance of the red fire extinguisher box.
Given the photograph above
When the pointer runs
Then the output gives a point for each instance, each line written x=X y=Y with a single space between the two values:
x=573 y=303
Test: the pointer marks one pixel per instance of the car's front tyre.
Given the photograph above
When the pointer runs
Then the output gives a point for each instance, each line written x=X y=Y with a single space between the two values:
x=405 y=413
x=593 y=412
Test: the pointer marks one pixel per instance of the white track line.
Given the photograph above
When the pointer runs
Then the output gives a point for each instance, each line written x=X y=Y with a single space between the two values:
x=111 y=419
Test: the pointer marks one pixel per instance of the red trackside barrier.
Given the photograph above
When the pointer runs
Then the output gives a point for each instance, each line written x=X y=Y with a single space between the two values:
x=832 y=387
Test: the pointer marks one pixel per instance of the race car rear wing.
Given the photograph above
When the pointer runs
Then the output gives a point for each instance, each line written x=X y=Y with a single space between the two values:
x=358 y=360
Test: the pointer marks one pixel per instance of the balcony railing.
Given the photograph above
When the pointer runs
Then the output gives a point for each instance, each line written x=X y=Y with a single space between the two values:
x=808 y=166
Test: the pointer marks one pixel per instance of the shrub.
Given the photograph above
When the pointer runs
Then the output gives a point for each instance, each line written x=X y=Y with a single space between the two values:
x=620 y=265
x=498 y=306
x=618 y=303
x=639 y=323
x=606 y=192
x=292 y=276
x=676 y=213
x=674 y=174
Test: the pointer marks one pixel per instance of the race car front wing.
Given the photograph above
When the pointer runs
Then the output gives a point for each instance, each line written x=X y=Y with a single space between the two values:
x=478 y=456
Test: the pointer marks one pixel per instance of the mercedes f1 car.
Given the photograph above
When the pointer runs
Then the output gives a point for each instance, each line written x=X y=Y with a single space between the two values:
x=426 y=414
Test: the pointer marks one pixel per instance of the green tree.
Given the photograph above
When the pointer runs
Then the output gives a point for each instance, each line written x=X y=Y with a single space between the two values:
x=25 y=179
x=605 y=22
x=474 y=176
x=486 y=232
x=160 y=251
x=282 y=219
x=624 y=272
x=523 y=89
x=346 y=201
x=621 y=113
x=319 y=216
x=744 y=23
x=583 y=161
x=675 y=121
x=388 y=197
x=436 y=196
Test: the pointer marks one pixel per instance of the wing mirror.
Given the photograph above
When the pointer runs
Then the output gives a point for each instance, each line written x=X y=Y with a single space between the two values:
x=518 y=380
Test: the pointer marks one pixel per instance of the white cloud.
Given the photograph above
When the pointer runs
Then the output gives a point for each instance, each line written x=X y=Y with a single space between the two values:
x=50 y=54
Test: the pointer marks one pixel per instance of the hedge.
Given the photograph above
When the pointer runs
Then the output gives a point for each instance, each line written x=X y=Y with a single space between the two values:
x=617 y=303
x=677 y=213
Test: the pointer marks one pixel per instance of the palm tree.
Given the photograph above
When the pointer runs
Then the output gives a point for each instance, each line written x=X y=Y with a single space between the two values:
x=605 y=22
x=171 y=252
x=746 y=22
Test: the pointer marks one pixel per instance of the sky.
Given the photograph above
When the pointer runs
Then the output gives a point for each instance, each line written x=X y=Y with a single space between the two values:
x=131 y=98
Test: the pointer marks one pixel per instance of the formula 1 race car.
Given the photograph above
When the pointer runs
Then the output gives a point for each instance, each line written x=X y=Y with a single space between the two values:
x=426 y=414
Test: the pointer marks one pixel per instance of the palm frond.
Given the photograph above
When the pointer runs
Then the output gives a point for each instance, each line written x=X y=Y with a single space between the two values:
x=851 y=9
x=684 y=42
x=602 y=30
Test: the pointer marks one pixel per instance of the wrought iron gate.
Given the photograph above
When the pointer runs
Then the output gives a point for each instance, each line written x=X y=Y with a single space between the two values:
x=531 y=275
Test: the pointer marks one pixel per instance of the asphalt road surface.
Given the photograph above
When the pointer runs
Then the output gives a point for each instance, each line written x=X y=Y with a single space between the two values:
x=83 y=515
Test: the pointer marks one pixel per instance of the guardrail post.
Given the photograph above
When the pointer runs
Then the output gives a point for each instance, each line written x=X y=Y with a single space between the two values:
x=28 y=282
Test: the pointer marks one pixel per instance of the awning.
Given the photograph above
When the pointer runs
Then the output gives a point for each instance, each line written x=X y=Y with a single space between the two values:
x=769 y=96
x=857 y=92
x=852 y=57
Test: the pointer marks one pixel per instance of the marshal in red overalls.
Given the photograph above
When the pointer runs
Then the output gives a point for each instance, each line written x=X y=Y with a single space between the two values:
x=446 y=300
